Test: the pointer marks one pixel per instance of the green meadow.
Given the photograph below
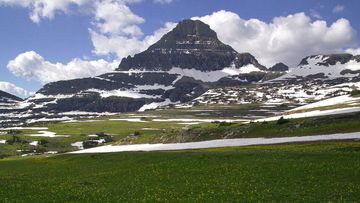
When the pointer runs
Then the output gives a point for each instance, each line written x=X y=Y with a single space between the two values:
x=307 y=172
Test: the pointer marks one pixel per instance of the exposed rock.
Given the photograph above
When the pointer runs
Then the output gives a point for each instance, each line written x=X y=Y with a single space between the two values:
x=279 y=67
x=190 y=45
x=8 y=98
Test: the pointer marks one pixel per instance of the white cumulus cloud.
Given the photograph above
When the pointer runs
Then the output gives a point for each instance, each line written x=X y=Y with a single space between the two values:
x=115 y=18
x=32 y=66
x=353 y=51
x=15 y=90
x=117 y=30
x=40 y=9
x=123 y=45
x=163 y=1
x=286 y=39
x=338 y=8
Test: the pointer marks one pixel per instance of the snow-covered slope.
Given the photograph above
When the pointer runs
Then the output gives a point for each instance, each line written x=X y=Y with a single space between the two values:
x=7 y=103
x=327 y=67
x=315 y=78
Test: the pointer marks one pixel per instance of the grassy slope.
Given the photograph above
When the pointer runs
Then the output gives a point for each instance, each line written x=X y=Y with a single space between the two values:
x=80 y=131
x=312 y=172
x=294 y=127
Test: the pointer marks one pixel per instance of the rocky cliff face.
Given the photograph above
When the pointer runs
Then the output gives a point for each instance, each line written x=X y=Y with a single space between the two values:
x=279 y=67
x=190 y=45
x=8 y=98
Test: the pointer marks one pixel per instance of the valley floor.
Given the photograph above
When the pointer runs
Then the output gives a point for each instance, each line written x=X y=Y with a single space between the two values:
x=201 y=123
x=306 y=172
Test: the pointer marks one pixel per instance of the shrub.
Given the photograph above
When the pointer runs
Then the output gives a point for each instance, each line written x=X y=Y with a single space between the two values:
x=355 y=93
x=89 y=144
x=282 y=120
x=13 y=140
x=41 y=150
x=109 y=138
x=101 y=134
x=106 y=137
x=14 y=132
x=225 y=124
x=43 y=142
x=2 y=156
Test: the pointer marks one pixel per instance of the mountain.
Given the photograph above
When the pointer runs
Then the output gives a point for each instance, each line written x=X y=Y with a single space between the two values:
x=190 y=45
x=316 y=78
x=181 y=66
x=279 y=67
x=187 y=66
x=327 y=67
x=7 y=103
x=8 y=98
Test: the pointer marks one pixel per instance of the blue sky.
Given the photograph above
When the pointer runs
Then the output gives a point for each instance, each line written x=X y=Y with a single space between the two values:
x=49 y=43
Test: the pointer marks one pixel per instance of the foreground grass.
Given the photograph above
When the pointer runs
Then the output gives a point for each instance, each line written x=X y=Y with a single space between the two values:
x=312 y=172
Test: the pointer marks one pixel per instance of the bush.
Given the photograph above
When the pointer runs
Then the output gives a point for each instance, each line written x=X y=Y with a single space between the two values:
x=13 y=140
x=2 y=156
x=41 y=150
x=282 y=120
x=106 y=137
x=43 y=142
x=355 y=93
x=225 y=124
x=101 y=134
x=137 y=133
x=109 y=138
x=89 y=144
x=14 y=132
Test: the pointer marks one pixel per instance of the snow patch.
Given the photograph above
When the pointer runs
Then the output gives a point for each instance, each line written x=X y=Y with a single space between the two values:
x=128 y=120
x=155 y=105
x=344 y=99
x=218 y=143
x=46 y=134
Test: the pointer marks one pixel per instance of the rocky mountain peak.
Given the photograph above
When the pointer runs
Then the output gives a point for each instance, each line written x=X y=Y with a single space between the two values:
x=326 y=60
x=190 y=35
x=279 y=67
x=192 y=44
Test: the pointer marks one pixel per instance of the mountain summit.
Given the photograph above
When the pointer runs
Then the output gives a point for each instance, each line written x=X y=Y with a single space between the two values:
x=192 y=44
x=189 y=34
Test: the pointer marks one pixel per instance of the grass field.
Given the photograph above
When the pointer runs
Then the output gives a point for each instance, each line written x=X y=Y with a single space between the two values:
x=308 y=172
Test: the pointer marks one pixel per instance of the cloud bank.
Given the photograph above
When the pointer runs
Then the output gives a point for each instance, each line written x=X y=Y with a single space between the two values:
x=32 y=66
x=15 y=90
x=286 y=39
